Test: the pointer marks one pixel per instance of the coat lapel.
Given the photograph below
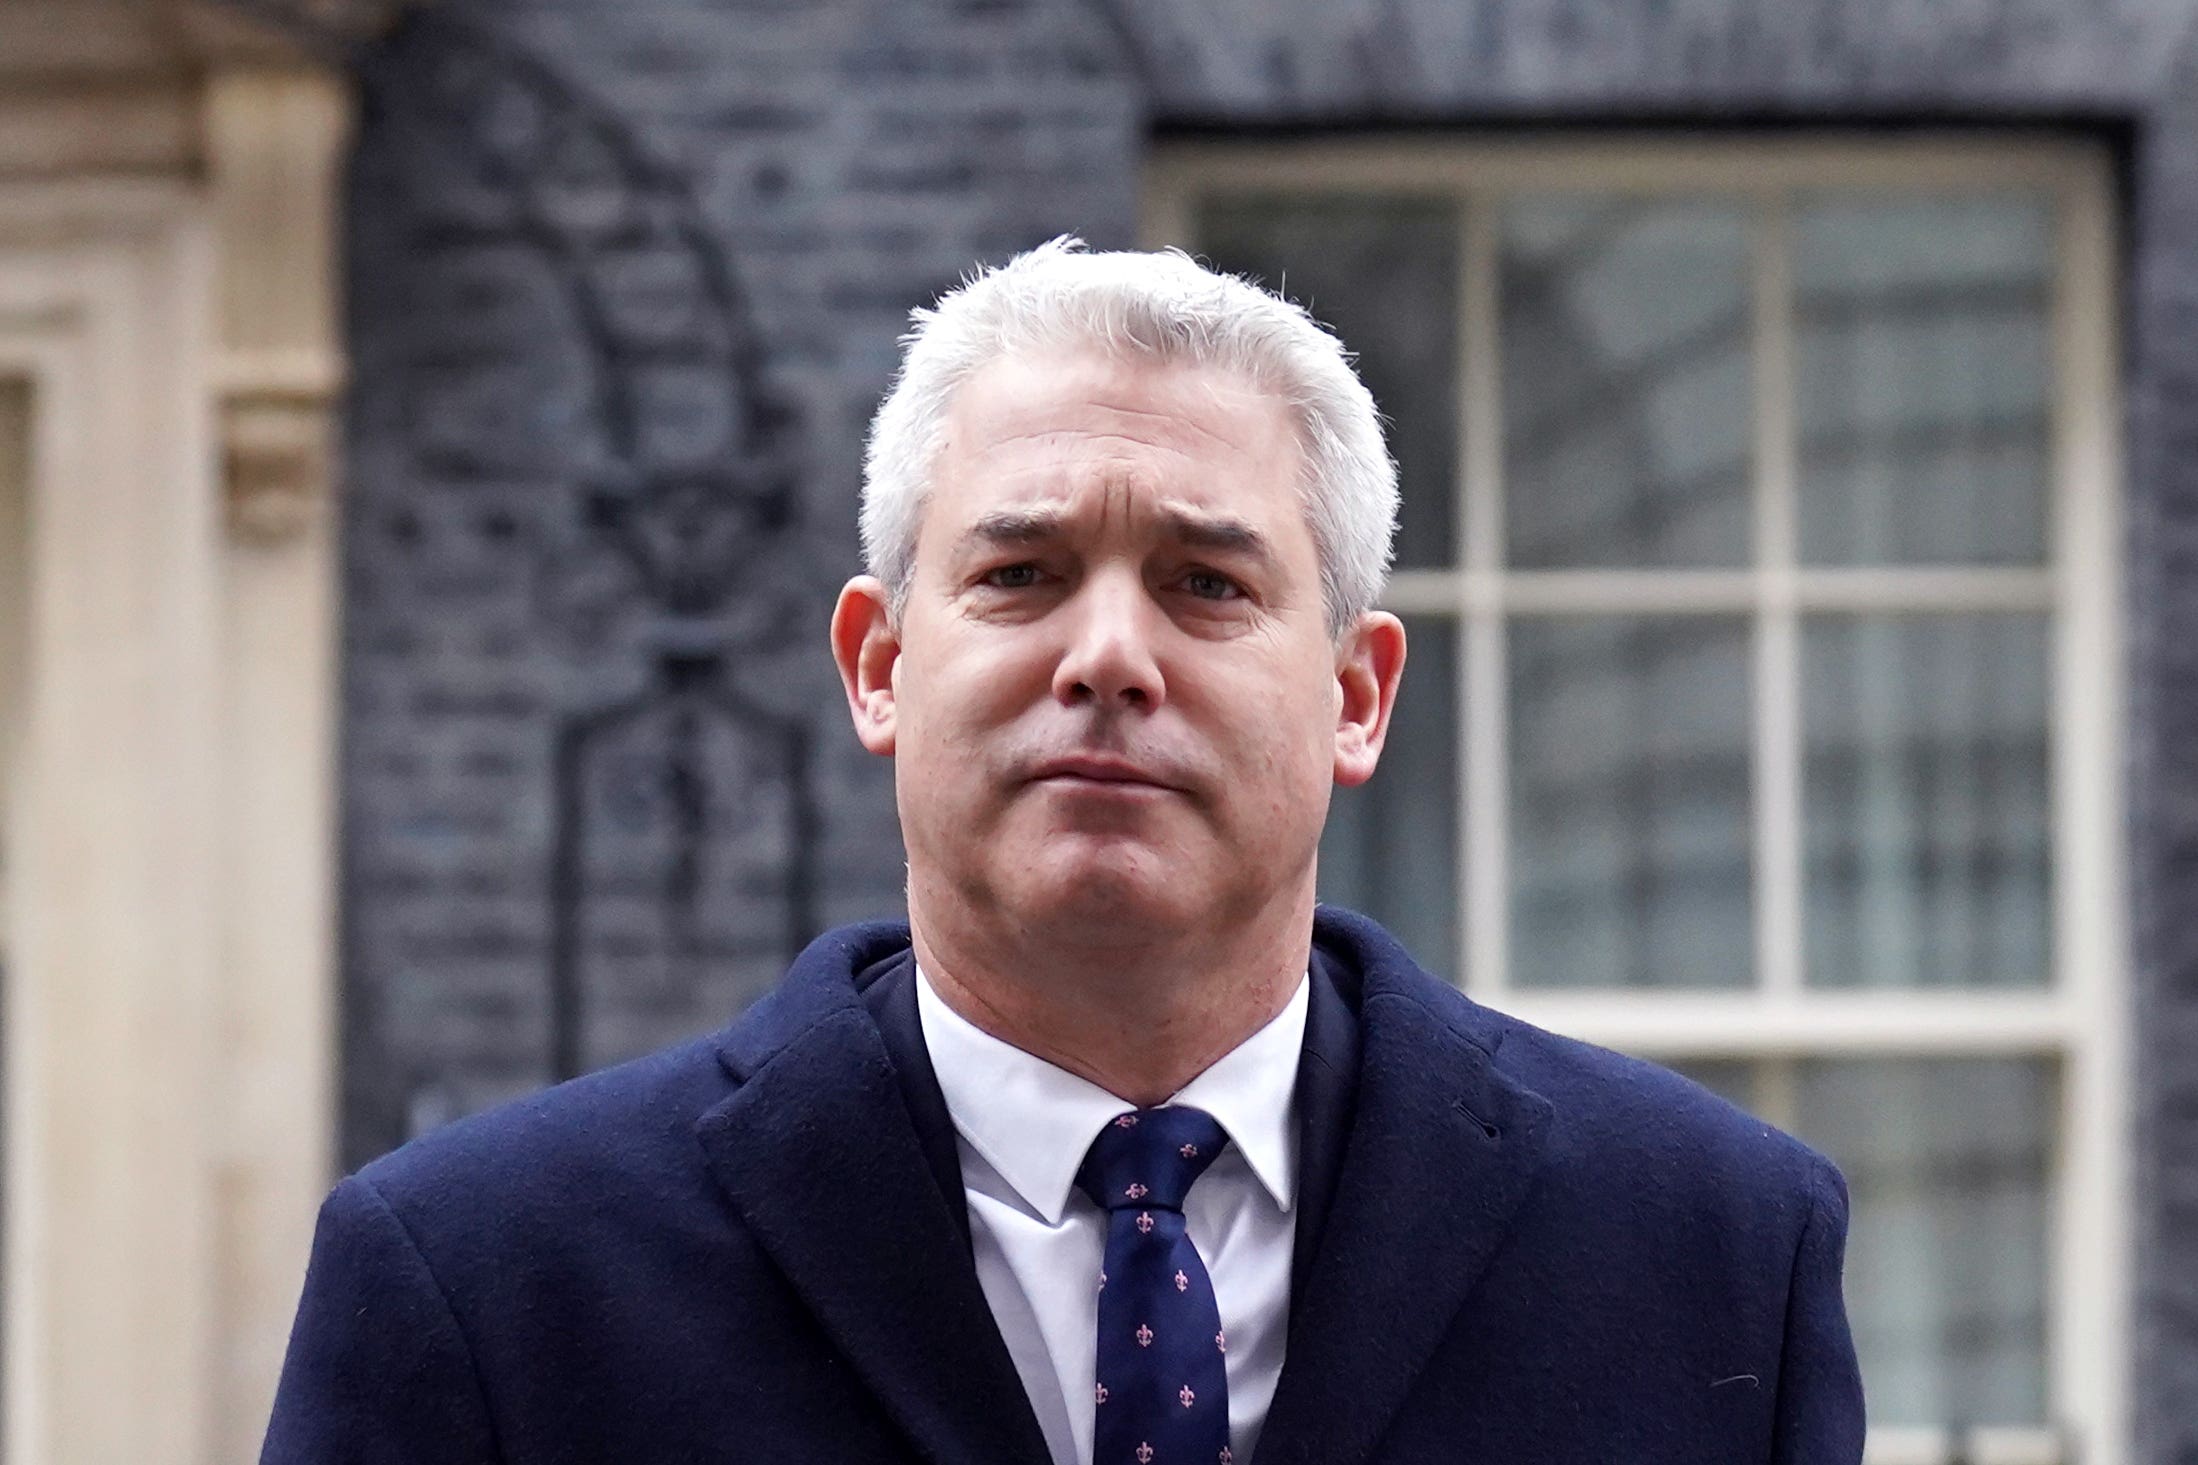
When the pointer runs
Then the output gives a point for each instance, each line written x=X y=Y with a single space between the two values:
x=818 y=1152
x=1327 y=1089
x=1442 y=1150
x=889 y=993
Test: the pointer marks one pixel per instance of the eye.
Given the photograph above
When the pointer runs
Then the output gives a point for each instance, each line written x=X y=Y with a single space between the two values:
x=1209 y=585
x=1012 y=577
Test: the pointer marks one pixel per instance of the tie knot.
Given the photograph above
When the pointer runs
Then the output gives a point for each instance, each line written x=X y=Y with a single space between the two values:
x=1148 y=1158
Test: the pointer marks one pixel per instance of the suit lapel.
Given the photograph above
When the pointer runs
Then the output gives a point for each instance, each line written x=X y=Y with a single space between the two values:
x=1442 y=1150
x=818 y=1152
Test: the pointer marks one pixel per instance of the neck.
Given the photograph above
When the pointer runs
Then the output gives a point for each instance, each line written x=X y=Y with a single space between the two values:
x=1138 y=1017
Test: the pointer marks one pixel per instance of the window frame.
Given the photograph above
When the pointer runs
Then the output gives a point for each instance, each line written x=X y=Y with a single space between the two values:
x=2081 y=1019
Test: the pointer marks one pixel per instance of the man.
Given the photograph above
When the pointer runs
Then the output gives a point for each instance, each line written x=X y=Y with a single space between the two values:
x=1119 y=1152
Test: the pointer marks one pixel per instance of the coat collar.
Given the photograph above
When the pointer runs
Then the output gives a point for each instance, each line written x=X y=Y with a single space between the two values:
x=818 y=1151
x=1440 y=1148
x=1418 y=1153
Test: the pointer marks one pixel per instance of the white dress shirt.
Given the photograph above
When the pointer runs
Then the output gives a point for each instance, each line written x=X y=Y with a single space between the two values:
x=1022 y=1127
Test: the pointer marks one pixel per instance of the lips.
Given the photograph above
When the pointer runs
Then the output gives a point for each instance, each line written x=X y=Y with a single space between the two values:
x=1092 y=769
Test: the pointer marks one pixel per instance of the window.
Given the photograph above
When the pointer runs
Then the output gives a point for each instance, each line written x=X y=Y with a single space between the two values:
x=1759 y=557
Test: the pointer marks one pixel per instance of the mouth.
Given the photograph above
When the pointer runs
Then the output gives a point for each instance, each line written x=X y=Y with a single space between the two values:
x=1111 y=775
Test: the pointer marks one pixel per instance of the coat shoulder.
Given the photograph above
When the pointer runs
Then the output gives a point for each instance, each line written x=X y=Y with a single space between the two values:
x=620 y=1142
x=625 y=1127
x=1624 y=1121
x=1619 y=1126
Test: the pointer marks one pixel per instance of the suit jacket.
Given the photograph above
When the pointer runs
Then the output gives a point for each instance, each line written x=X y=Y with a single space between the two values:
x=1511 y=1248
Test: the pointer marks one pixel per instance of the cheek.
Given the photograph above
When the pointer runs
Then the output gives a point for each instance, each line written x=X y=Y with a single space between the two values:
x=953 y=701
x=1288 y=751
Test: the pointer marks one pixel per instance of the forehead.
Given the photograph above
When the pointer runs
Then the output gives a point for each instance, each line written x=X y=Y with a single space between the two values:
x=1088 y=427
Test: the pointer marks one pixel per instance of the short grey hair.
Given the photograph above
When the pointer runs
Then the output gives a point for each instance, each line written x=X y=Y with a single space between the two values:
x=1164 y=306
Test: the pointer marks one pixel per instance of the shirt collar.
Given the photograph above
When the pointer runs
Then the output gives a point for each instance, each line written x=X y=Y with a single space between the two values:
x=1033 y=1121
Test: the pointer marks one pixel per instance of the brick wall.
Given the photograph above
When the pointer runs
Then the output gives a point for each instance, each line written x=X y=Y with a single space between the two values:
x=842 y=163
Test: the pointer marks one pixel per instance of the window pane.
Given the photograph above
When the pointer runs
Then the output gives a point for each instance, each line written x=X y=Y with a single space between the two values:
x=1383 y=272
x=1947 y=1164
x=1390 y=848
x=1629 y=802
x=1926 y=800
x=1924 y=380
x=1626 y=383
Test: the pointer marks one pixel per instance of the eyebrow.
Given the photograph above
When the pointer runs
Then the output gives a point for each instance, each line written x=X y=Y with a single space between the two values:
x=1011 y=526
x=1005 y=527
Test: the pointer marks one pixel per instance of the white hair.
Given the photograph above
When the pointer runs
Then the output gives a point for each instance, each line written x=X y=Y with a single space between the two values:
x=1166 y=307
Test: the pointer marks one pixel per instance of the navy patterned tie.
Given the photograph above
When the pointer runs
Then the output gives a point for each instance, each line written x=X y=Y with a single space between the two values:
x=1162 y=1387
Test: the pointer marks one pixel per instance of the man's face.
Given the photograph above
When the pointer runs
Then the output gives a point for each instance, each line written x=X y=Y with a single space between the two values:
x=1112 y=696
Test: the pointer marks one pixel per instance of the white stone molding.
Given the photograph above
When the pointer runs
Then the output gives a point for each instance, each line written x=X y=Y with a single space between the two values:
x=112 y=816
x=275 y=139
x=167 y=297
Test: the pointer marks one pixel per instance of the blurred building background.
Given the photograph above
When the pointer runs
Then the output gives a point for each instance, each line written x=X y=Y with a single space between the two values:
x=429 y=441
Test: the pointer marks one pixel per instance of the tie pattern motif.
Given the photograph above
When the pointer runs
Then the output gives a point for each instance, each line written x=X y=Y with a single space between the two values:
x=1162 y=1392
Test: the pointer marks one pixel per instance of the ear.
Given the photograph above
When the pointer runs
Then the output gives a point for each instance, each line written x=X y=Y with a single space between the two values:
x=866 y=647
x=1369 y=664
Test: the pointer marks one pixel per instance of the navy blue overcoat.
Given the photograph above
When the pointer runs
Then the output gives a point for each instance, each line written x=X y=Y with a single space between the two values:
x=1512 y=1249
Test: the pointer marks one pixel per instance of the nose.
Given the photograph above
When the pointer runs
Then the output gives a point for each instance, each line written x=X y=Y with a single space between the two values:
x=1109 y=661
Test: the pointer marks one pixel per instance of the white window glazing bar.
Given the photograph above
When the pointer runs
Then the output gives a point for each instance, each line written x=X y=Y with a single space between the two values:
x=1722 y=592
x=1719 y=592
x=1425 y=592
x=1486 y=868
x=1924 y=588
x=1739 y=1023
x=1450 y=603
x=1776 y=792
x=1895 y=1445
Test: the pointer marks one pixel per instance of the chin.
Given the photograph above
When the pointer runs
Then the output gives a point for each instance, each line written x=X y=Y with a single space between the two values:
x=1102 y=900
